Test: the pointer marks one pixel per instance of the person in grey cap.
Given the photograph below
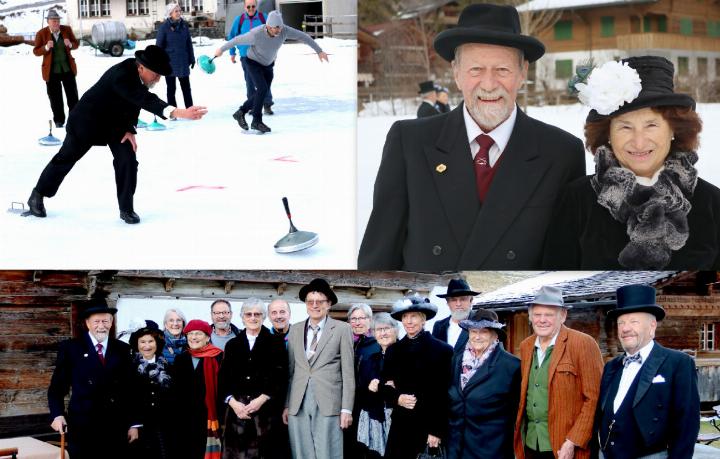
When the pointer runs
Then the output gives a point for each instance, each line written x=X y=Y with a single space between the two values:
x=55 y=43
x=265 y=42
x=417 y=377
x=561 y=371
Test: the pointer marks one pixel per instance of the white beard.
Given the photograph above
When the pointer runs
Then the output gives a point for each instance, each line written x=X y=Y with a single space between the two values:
x=490 y=117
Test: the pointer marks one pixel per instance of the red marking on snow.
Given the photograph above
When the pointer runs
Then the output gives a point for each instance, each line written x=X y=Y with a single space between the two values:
x=201 y=187
x=286 y=159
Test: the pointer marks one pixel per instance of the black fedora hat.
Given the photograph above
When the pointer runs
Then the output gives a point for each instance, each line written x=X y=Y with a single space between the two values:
x=415 y=303
x=484 y=318
x=320 y=286
x=426 y=86
x=657 y=87
x=490 y=24
x=458 y=287
x=96 y=306
x=636 y=298
x=155 y=58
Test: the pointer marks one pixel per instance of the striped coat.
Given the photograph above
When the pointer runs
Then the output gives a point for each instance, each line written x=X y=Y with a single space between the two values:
x=573 y=385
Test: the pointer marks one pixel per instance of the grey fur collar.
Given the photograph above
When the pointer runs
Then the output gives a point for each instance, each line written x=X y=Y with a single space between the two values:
x=656 y=216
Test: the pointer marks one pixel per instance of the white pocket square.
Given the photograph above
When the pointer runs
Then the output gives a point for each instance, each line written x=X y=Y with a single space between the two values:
x=658 y=379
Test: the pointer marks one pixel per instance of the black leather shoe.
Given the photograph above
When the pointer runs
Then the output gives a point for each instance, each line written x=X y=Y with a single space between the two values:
x=35 y=204
x=240 y=118
x=267 y=109
x=260 y=126
x=129 y=217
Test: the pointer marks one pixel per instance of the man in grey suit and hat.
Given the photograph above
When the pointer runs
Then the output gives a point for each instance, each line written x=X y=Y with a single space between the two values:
x=474 y=188
x=321 y=387
x=459 y=298
x=649 y=401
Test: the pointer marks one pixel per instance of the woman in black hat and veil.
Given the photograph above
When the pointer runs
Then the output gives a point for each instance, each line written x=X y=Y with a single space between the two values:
x=645 y=207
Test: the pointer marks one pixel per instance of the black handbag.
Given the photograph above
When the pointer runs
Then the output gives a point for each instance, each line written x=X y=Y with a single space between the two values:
x=438 y=454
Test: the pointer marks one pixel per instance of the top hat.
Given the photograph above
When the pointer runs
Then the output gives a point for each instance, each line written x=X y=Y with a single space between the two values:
x=657 y=87
x=636 y=298
x=320 y=286
x=52 y=14
x=484 y=318
x=491 y=24
x=458 y=287
x=426 y=86
x=550 y=296
x=415 y=303
x=156 y=59
x=97 y=306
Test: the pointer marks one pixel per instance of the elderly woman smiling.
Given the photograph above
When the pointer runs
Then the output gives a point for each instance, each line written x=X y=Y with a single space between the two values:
x=175 y=341
x=645 y=207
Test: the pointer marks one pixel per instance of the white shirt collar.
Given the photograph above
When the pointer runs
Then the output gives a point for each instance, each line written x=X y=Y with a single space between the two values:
x=552 y=341
x=649 y=181
x=501 y=134
x=321 y=324
x=95 y=342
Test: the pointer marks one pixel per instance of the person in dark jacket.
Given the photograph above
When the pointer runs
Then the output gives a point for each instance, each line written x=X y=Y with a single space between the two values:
x=645 y=207
x=55 y=43
x=174 y=37
x=195 y=377
x=152 y=394
x=459 y=297
x=96 y=369
x=443 y=99
x=253 y=384
x=417 y=378
x=106 y=115
x=429 y=99
x=484 y=392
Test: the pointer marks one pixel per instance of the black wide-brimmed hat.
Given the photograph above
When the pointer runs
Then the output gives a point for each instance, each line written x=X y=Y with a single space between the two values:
x=658 y=90
x=155 y=58
x=151 y=328
x=415 y=303
x=484 y=318
x=458 y=287
x=490 y=24
x=320 y=286
x=96 y=306
x=636 y=298
x=426 y=86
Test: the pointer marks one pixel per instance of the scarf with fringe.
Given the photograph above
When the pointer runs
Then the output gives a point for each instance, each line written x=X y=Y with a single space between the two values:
x=210 y=369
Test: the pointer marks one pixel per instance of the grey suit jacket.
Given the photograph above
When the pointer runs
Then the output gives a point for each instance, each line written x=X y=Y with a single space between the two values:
x=331 y=370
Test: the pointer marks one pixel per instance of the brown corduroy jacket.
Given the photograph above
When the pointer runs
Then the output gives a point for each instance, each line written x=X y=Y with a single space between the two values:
x=42 y=37
x=573 y=389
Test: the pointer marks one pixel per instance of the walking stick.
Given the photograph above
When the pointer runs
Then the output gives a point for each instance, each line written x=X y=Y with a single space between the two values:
x=62 y=443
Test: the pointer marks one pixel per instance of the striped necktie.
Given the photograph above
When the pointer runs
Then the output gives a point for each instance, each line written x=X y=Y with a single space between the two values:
x=99 y=347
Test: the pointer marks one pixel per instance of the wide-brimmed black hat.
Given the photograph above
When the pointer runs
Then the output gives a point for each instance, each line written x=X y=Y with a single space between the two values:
x=491 y=24
x=415 y=303
x=320 y=286
x=426 y=86
x=658 y=90
x=458 y=287
x=484 y=318
x=155 y=58
x=96 y=306
x=636 y=298
x=151 y=328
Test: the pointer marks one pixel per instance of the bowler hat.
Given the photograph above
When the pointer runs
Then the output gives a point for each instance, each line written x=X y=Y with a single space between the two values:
x=154 y=58
x=320 y=286
x=458 y=287
x=484 y=318
x=151 y=328
x=415 y=303
x=636 y=298
x=491 y=24
x=426 y=86
x=657 y=87
x=52 y=14
x=549 y=295
x=96 y=306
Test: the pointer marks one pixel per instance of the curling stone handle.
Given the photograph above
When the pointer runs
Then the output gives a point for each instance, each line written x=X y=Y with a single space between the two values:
x=50 y=126
x=287 y=212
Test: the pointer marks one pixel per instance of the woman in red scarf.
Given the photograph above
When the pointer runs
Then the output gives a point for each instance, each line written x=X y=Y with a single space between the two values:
x=196 y=375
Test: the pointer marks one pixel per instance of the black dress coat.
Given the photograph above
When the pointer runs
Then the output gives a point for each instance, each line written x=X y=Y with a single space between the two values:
x=665 y=408
x=482 y=415
x=427 y=109
x=419 y=367
x=584 y=235
x=365 y=347
x=440 y=331
x=426 y=213
x=98 y=415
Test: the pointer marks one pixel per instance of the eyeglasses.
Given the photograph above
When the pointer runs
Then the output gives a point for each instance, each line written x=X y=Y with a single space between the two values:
x=358 y=319
x=383 y=330
x=250 y=7
x=253 y=314
x=223 y=313
x=315 y=302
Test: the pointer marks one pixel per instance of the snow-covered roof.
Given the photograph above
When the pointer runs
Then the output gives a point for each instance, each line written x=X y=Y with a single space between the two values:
x=540 y=5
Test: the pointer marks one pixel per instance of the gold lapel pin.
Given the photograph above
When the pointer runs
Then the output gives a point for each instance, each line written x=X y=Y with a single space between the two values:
x=441 y=168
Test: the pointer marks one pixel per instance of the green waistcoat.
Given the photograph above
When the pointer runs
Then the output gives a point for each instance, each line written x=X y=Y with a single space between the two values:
x=537 y=436
x=60 y=62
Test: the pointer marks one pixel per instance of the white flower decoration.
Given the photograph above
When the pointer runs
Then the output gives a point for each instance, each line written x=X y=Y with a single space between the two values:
x=609 y=87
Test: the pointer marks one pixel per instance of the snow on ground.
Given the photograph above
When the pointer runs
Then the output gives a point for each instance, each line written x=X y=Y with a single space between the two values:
x=186 y=221
x=371 y=132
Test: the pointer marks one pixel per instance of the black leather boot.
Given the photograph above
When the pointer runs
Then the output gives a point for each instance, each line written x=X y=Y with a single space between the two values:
x=35 y=203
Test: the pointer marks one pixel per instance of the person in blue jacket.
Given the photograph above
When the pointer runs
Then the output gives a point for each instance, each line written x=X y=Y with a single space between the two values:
x=174 y=37
x=250 y=19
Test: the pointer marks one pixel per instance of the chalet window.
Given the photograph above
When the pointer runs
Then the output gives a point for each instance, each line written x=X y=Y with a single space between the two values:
x=563 y=69
x=133 y=8
x=607 y=26
x=634 y=24
x=686 y=26
x=185 y=5
x=197 y=5
x=713 y=28
x=84 y=8
x=707 y=337
x=563 y=30
x=683 y=66
x=702 y=67
x=662 y=23
x=647 y=24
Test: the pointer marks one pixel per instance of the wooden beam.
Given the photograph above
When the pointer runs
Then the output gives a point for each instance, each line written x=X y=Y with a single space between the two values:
x=169 y=284
x=229 y=286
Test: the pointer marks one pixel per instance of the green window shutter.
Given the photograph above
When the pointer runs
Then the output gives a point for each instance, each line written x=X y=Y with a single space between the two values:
x=686 y=27
x=713 y=28
x=607 y=26
x=683 y=66
x=563 y=30
x=662 y=23
x=646 y=23
x=563 y=69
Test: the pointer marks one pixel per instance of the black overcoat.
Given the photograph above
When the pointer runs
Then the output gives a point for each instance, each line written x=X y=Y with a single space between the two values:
x=426 y=212
x=440 y=331
x=427 y=109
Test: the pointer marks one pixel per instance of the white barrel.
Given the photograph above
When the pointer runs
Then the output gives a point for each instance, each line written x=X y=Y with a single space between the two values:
x=105 y=33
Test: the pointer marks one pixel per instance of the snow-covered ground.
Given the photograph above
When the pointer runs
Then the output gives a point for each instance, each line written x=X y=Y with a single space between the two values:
x=209 y=195
x=372 y=130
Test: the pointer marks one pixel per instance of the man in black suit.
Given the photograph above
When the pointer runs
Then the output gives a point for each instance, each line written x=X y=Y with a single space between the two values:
x=474 y=188
x=459 y=298
x=429 y=98
x=649 y=403
x=106 y=115
x=96 y=369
